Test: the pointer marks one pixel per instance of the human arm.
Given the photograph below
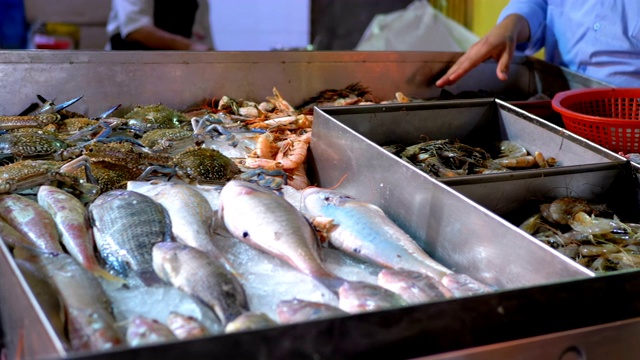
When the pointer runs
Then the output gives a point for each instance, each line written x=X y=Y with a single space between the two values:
x=156 y=38
x=499 y=44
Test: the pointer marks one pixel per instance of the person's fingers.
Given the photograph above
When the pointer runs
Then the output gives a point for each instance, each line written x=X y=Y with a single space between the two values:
x=465 y=64
x=504 y=59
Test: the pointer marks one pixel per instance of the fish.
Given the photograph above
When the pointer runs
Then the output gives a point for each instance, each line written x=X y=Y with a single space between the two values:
x=192 y=218
x=144 y=331
x=126 y=225
x=249 y=321
x=359 y=296
x=90 y=322
x=464 y=285
x=270 y=223
x=413 y=286
x=32 y=221
x=47 y=297
x=364 y=231
x=11 y=237
x=72 y=220
x=194 y=272
x=185 y=326
x=298 y=310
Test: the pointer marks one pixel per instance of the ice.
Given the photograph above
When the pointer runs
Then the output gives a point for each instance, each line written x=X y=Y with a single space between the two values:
x=156 y=303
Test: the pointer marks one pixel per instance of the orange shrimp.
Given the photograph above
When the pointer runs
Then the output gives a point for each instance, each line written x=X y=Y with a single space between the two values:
x=297 y=178
x=259 y=163
x=265 y=147
x=293 y=152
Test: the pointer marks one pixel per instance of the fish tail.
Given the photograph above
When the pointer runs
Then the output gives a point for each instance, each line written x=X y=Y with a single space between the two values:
x=331 y=283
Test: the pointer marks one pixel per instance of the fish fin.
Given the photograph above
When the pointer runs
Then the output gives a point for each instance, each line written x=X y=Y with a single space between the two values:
x=323 y=226
x=104 y=274
x=365 y=204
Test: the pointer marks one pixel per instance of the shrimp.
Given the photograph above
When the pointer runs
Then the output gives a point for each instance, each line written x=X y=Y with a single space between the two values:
x=294 y=152
x=259 y=163
x=298 y=177
x=590 y=224
x=509 y=149
x=561 y=210
x=517 y=162
x=265 y=147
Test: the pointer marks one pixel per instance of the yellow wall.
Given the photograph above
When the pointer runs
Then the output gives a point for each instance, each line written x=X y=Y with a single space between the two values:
x=485 y=14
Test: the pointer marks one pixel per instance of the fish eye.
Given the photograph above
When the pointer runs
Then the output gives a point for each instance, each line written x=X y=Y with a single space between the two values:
x=245 y=234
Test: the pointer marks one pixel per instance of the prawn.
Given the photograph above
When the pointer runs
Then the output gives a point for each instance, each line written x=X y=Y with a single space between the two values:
x=294 y=152
x=265 y=147
x=259 y=163
x=298 y=177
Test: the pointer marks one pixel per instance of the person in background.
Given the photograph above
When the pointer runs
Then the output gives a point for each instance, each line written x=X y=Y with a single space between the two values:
x=159 y=25
x=599 y=39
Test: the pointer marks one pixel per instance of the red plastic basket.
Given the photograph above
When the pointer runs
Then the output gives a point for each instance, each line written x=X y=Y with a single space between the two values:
x=609 y=117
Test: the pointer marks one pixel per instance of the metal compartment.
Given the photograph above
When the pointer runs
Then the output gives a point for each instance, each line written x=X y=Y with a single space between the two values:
x=183 y=79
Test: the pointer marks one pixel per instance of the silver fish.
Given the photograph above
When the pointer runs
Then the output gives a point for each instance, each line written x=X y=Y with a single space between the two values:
x=90 y=322
x=31 y=220
x=72 y=220
x=47 y=297
x=201 y=276
x=145 y=331
x=268 y=222
x=413 y=286
x=364 y=231
x=185 y=326
x=249 y=321
x=126 y=225
x=192 y=218
x=464 y=285
x=298 y=310
x=358 y=296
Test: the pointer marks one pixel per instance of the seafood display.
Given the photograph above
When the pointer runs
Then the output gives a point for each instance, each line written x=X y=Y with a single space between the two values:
x=451 y=158
x=590 y=234
x=191 y=206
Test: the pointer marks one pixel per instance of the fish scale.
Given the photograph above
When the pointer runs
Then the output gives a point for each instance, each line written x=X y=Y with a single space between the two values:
x=126 y=225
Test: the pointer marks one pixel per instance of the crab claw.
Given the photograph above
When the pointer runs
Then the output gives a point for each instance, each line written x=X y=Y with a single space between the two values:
x=66 y=104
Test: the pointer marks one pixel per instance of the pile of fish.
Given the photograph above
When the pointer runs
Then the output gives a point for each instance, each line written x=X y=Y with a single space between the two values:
x=590 y=234
x=162 y=225
x=450 y=158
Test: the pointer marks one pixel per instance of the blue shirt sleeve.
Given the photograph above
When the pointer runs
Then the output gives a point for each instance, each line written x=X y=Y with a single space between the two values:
x=535 y=11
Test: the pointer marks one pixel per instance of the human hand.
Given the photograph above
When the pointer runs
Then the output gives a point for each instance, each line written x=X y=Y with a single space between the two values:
x=196 y=46
x=499 y=44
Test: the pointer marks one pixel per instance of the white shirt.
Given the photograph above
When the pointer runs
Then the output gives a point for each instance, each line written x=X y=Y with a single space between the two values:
x=129 y=15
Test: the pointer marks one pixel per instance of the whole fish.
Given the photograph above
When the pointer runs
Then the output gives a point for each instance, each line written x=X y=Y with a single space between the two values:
x=413 y=286
x=359 y=296
x=268 y=222
x=298 y=310
x=72 y=220
x=90 y=322
x=47 y=297
x=126 y=225
x=31 y=220
x=364 y=231
x=249 y=321
x=192 y=218
x=145 y=331
x=185 y=326
x=194 y=272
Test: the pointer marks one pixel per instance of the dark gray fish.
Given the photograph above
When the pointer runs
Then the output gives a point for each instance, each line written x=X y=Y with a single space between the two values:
x=196 y=273
x=297 y=310
x=126 y=225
